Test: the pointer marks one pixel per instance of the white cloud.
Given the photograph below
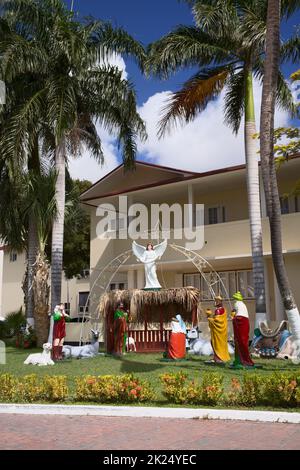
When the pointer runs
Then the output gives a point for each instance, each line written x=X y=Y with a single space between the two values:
x=86 y=167
x=117 y=61
x=202 y=145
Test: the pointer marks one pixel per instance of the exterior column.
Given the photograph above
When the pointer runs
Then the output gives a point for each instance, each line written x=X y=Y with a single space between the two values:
x=1 y=282
x=279 y=308
x=191 y=205
x=140 y=279
x=130 y=279
x=267 y=289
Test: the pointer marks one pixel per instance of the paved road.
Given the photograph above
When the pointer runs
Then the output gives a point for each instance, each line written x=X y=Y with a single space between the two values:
x=96 y=432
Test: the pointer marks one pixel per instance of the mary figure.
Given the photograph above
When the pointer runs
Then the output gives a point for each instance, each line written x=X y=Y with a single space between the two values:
x=148 y=256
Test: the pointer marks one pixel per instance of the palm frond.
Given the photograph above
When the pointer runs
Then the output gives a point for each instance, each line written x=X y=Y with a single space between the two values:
x=186 y=46
x=290 y=50
x=235 y=100
x=284 y=96
x=62 y=104
x=41 y=203
x=19 y=132
x=106 y=40
x=216 y=17
x=289 y=7
x=193 y=98
x=253 y=27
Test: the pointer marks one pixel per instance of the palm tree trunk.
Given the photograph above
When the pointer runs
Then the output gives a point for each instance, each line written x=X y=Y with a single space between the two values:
x=58 y=226
x=41 y=294
x=31 y=259
x=254 y=202
x=33 y=244
x=268 y=164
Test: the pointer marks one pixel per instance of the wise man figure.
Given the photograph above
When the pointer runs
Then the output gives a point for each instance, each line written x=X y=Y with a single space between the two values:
x=241 y=329
x=217 y=322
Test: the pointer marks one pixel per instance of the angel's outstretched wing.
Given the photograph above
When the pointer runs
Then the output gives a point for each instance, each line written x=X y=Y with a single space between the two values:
x=160 y=249
x=138 y=250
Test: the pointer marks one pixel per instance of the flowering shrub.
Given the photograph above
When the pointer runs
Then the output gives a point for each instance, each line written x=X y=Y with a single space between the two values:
x=177 y=390
x=31 y=388
x=212 y=388
x=281 y=390
x=110 y=388
x=55 y=388
x=247 y=392
x=7 y=387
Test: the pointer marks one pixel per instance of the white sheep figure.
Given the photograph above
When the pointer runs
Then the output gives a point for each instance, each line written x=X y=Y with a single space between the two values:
x=200 y=346
x=86 y=351
x=41 y=359
x=130 y=344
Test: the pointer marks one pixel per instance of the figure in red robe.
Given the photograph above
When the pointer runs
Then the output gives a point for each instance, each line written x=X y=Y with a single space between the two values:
x=176 y=346
x=241 y=329
x=59 y=331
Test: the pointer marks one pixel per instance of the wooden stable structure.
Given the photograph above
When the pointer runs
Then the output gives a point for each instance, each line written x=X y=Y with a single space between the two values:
x=150 y=314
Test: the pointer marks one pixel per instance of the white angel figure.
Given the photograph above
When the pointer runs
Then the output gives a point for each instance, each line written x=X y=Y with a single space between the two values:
x=148 y=256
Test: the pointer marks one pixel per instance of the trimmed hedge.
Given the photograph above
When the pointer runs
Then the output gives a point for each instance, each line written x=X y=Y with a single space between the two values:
x=275 y=390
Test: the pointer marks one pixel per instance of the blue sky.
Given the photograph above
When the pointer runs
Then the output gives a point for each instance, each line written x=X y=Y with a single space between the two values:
x=148 y=20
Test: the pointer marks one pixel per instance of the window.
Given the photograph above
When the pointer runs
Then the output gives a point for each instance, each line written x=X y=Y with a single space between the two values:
x=224 y=282
x=213 y=215
x=117 y=224
x=297 y=203
x=13 y=256
x=67 y=307
x=245 y=284
x=83 y=304
x=216 y=215
x=284 y=204
x=118 y=286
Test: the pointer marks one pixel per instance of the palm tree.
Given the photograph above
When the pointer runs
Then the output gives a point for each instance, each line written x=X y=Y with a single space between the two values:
x=227 y=45
x=30 y=196
x=74 y=91
x=268 y=163
x=41 y=206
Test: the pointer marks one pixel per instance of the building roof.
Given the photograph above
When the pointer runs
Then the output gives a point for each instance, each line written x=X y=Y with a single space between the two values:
x=162 y=175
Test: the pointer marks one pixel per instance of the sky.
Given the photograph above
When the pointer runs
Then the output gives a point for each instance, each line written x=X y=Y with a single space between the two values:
x=206 y=143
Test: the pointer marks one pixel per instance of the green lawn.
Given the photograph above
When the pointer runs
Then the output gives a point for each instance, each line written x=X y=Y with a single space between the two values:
x=145 y=366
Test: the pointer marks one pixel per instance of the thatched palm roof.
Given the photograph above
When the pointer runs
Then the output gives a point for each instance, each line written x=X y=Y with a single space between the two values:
x=185 y=298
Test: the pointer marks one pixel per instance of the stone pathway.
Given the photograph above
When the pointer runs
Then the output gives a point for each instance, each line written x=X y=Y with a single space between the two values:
x=25 y=431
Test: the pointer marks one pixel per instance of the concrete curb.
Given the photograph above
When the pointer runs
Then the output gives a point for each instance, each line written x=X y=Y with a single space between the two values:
x=148 y=412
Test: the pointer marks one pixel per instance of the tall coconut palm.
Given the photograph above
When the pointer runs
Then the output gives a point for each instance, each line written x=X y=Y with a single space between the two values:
x=74 y=91
x=268 y=163
x=227 y=45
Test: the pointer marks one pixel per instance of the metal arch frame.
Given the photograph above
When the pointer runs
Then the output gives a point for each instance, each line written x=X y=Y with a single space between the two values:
x=198 y=261
x=123 y=257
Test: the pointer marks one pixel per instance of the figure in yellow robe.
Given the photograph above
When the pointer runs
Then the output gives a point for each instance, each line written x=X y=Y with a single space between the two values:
x=218 y=330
